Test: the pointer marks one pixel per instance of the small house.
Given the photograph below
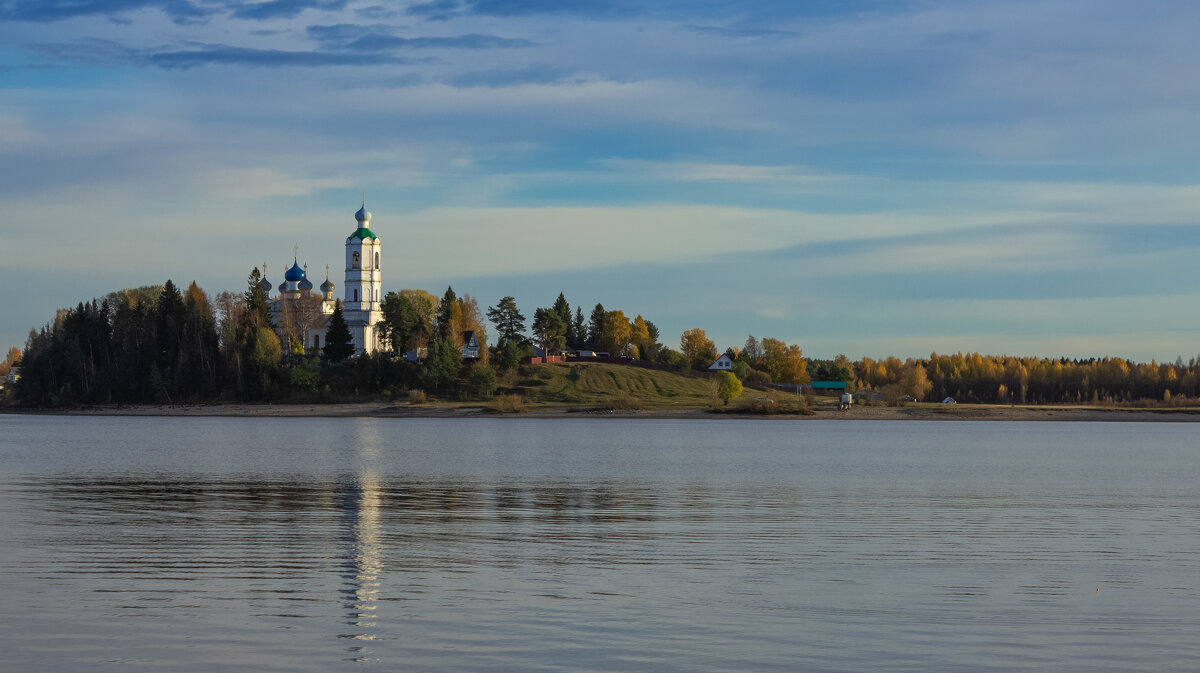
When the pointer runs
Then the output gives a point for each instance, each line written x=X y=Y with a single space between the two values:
x=723 y=363
x=470 y=347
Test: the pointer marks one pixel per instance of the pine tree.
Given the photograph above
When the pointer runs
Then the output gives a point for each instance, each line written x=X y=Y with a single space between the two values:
x=170 y=314
x=339 y=345
x=578 y=330
x=444 y=328
x=563 y=309
x=509 y=322
x=401 y=323
x=595 y=326
x=443 y=364
x=548 y=329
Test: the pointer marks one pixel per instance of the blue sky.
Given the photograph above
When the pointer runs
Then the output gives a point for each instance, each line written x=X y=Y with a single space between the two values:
x=871 y=178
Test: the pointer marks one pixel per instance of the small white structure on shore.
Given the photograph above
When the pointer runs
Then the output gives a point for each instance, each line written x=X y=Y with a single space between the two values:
x=723 y=363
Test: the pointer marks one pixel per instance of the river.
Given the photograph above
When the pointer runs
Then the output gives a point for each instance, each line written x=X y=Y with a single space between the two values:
x=508 y=544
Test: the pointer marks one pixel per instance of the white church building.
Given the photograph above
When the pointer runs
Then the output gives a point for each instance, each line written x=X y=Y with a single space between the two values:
x=299 y=314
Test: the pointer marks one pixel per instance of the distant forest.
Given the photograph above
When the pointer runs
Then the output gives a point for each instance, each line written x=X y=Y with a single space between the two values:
x=161 y=345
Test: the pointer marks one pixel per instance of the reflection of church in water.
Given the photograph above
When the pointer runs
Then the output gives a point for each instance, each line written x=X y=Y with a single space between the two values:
x=303 y=316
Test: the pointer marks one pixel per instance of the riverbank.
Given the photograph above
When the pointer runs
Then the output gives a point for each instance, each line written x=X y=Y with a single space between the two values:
x=958 y=412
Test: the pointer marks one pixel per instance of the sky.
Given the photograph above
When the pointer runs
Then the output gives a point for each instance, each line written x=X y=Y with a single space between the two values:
x=871 y=178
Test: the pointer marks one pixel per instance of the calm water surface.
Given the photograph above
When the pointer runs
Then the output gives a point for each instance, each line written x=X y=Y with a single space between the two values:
x=204 y=544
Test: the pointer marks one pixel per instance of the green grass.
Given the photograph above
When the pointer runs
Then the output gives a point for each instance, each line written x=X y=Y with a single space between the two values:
x=601 y=385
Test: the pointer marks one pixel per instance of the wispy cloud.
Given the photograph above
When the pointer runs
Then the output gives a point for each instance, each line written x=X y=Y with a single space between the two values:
x=91 y=51
x=686 y=171
x=379 y=37
x=284 y=9
x=446 y=9
x=57 y=10
x=227 y=55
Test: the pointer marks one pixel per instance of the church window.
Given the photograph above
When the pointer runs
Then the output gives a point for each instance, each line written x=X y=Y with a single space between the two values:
x=356 y=291
x=316 y=341
x=377 y=260
x=354 y=261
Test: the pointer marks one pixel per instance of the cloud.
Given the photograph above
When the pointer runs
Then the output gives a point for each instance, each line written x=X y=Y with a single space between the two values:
x=512 y=77
x=108 y=51
x=344 y=33
x=180 y=11
x=689 y=171
x=284 y=9
x=472 y=41
x=378 y=12
x=441 y=10
x=437 y=10
x=227 y=55
x=743 y=33
x=378 y=37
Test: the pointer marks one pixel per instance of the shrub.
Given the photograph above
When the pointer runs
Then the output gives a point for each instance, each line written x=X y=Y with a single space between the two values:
x=416 y=397
x=757 y=379
x=763 y=405
x=624 y=403
x=728 y=386
x=305 y=378
x=482 y=381
x=508 y=404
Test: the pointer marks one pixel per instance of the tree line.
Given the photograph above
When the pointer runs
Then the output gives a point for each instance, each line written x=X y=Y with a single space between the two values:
x=158 y=344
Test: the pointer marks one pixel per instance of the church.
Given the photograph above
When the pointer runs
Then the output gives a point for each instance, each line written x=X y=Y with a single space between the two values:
x=302 y=317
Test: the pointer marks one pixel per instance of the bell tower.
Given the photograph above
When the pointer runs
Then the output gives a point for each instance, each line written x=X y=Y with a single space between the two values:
x=363 y=279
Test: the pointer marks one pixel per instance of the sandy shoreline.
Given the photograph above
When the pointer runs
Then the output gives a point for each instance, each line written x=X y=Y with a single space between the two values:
x=961 y=412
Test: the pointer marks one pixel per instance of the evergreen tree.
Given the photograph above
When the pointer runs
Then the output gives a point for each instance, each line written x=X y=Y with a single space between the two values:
x=652 y=345
x=578 y=330
x=257 y=369
x=169 y=315
x=256 y=301
x=401 y=323
x=339 y=345
x=563 y=309
x=483 y=381
x=595 y=326
x=548 y=329
x=509 y=354
x=509 y=322
x=443 y=364
x=444 y=328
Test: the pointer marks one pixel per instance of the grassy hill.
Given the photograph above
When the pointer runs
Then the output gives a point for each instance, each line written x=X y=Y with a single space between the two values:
x=601 y=385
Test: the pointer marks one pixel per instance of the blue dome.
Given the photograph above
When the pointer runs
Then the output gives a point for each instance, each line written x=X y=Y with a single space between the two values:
x=326 y=287
x=265 y=285
x=305 y=285
x=283 y=287
x=295 y=273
